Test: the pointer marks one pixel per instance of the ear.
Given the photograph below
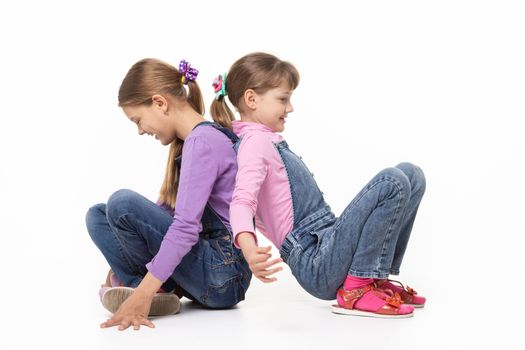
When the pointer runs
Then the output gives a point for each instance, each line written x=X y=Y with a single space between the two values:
x=160 y=102
x=250 y=99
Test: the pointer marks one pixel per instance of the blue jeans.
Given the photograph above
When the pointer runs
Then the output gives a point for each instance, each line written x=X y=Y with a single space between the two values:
x=129 y=229
x=370 y=237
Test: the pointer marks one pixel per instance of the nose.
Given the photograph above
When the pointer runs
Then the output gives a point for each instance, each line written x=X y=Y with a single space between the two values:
x=141 y=132
x=289 y=108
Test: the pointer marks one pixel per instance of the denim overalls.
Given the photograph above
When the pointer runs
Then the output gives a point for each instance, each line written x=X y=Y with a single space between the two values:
x=367 y=240
x=129 y=231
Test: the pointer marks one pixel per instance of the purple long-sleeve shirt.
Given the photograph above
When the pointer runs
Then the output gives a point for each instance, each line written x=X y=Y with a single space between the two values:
x=207 y=175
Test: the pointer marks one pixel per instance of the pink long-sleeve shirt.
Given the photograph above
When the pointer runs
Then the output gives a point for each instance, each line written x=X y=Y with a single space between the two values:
x=262 y=190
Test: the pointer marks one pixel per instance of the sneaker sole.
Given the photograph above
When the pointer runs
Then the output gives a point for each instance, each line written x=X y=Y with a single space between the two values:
x=417 y=306
x=353 y=312
x=162 y=304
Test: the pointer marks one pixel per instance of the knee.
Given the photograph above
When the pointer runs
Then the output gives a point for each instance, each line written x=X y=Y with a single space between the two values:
x=415 y=176
x=93 y=216
x=119 y=203
x=396 y=179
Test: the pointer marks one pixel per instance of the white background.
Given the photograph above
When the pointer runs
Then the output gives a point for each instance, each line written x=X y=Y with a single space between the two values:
x=440 y=84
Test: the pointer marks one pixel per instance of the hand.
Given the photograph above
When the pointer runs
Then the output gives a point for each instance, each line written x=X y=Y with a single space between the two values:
x=133 y=312
x=258 y=260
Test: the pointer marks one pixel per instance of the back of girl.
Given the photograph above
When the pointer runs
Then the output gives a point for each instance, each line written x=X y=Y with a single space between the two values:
x=348 y=258
x=182 y=244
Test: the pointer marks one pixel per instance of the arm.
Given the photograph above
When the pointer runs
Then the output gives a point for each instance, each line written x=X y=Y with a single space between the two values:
x=199 y=171
x=253 y=168
x=135 y=309
x=258 y=258
x=251 y=175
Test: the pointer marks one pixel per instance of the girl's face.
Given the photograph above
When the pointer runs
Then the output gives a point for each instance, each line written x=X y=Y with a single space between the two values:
x=272 y=107
x=151 y=120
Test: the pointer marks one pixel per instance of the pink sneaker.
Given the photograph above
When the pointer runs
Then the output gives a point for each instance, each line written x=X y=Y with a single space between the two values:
x=408 y=295
x=375 y=303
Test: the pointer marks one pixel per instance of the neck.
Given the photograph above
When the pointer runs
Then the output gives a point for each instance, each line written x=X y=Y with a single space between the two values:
x=184 y=120
x=248 y=118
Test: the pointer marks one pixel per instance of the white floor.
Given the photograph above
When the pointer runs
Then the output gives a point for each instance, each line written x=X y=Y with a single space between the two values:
x=278 y=316
x=465 y=255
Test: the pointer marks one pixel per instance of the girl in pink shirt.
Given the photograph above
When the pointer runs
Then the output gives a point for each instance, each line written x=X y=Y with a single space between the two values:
x=348 y=258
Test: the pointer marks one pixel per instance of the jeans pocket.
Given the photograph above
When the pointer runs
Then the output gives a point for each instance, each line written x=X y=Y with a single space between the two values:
x=324 y=237
x=222 y=251
x=225 y=295
x=308 y=242
x=313 y=233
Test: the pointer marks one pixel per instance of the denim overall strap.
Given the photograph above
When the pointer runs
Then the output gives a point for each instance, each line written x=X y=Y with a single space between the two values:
x=307 y=198
x=230 y=134
x=237 y=144
x=202 y=123
x=310 y=211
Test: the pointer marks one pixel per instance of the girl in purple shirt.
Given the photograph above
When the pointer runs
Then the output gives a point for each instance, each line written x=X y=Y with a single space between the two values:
x=182 y=245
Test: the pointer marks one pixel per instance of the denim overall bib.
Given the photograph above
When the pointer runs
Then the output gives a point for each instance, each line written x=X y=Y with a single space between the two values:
x=129 y=231
x=367 y=240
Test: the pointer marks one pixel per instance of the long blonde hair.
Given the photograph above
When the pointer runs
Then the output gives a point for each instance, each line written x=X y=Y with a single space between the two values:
x=146 y=78
x=258 y=71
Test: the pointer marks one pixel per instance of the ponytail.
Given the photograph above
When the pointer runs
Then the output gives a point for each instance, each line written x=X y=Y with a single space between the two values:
x=195 y=97
x=221 y=113
x=170 y=185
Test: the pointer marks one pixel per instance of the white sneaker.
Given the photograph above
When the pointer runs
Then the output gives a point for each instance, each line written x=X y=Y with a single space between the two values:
x=161 y=305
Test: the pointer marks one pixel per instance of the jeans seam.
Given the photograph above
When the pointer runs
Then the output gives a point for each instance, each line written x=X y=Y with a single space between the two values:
x=395 y=217
x=358 y=199
x=123 y=249
x=367 y=274
x=141 y=222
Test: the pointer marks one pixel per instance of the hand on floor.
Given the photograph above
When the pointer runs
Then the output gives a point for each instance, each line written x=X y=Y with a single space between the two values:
x=132 y=312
